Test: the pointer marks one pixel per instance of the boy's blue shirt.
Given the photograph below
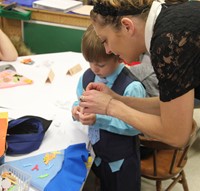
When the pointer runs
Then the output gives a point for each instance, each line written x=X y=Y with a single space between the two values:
x=112 y=124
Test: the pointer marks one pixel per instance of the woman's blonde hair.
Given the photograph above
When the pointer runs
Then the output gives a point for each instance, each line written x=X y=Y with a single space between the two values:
x=92 y=48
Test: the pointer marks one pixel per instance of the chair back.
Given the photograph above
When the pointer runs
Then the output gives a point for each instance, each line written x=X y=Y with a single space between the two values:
x=166 y=161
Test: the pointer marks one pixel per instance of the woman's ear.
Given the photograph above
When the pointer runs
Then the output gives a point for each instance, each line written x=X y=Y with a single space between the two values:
x=128 y=25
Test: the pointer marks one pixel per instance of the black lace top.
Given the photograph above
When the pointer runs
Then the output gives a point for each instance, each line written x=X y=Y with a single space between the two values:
x=175 y=50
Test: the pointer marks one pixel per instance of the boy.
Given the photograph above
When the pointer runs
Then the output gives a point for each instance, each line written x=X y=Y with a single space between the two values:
x=115 y=143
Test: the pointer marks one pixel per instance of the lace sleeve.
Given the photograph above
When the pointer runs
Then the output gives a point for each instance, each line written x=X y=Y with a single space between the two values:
x=175 y=50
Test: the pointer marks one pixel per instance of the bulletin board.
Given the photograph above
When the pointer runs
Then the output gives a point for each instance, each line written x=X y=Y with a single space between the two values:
x=44 y=38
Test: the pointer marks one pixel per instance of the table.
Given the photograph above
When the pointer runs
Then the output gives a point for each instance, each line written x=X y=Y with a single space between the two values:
x=49 y=100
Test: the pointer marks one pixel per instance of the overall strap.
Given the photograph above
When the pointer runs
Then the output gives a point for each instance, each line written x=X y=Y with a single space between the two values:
x=88 y=77
x=120 y=84
x=123 y=80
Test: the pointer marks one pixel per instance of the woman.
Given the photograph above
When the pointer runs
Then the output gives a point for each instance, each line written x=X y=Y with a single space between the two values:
x=170 y=32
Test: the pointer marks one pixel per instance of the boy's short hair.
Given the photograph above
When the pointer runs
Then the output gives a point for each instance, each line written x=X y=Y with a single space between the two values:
x=92 y=48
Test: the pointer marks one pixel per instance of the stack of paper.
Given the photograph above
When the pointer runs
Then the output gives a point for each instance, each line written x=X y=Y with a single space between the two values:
x=57 y=5
x=83 y=10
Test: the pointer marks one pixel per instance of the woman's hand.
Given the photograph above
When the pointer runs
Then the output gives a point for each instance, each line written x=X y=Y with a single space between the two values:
x=96 y=98
x=94 y=101
x=101 y=87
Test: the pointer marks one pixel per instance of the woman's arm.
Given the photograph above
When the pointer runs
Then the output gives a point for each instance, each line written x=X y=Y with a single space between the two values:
x=7 y=49
x=147 y=105
x=172 y=126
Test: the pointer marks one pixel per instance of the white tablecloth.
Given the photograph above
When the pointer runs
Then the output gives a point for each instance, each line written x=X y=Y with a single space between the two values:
x=49 y=100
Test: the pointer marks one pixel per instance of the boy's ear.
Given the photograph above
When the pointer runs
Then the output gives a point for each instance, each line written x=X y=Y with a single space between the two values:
x=128 y=25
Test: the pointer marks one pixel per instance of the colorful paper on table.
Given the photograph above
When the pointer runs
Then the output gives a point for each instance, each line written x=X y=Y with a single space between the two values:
x=10 y=78
x=3 y=131
x=66 y=171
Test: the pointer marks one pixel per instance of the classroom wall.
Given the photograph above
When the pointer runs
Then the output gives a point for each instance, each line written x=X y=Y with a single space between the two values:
x=44 y=38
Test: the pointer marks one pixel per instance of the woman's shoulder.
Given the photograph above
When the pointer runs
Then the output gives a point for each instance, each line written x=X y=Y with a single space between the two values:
x=185 y=16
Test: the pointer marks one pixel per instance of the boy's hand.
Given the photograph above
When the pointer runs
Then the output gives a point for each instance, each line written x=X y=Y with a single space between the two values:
x=84 y=118
x=75 y=112
x=87 y=119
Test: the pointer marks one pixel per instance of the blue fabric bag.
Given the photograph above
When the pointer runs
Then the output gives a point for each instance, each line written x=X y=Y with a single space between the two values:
x=66 y=172
x=25 y=134
x=73 y=172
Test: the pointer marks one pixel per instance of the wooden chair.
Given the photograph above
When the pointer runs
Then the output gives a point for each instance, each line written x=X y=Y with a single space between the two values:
x=166 y=162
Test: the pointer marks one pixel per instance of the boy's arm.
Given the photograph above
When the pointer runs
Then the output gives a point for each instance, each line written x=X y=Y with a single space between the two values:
x=79 y=91
x=112 y=124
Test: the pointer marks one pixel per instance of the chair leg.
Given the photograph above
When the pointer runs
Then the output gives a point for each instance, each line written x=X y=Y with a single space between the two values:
x=158 y=185
x=183 y=181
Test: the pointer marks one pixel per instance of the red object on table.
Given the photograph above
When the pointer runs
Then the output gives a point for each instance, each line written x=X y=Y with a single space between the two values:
x=132 y=63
